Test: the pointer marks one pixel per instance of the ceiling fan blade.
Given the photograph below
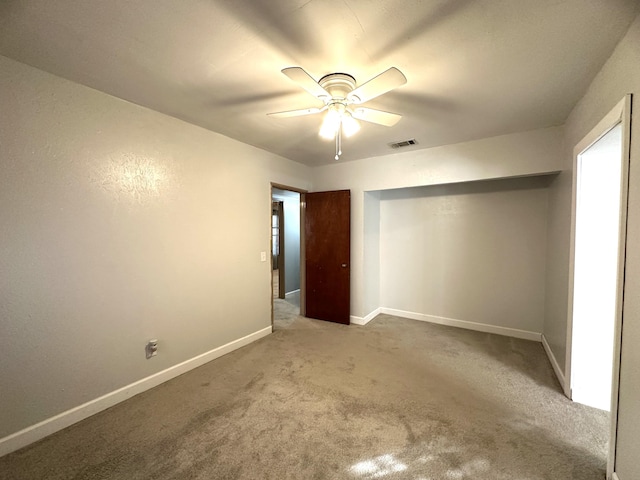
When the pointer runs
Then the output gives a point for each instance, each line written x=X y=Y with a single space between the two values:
x=306 y=81
x=387 y=80
x=387 y=119
x=297 y=113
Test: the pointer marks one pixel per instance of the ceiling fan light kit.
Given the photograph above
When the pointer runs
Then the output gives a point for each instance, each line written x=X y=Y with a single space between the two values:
x=340 y=96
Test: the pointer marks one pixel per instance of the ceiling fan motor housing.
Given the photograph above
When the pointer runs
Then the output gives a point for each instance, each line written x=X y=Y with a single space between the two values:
x=339 y=85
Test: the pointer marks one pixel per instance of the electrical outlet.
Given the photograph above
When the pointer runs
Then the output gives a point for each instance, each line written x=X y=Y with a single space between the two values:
x=151 y=348
x=263 y=256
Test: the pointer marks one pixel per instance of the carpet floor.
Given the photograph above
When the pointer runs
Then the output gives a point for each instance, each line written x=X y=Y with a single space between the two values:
x=395 y=399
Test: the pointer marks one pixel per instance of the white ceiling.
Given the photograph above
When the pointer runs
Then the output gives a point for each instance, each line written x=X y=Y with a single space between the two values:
x=475 y=68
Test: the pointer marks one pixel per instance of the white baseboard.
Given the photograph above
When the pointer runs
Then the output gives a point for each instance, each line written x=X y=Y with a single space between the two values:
x=480 y=327
x=292 y=292
x=554 y=363
x=51 y=425
x=364 y=320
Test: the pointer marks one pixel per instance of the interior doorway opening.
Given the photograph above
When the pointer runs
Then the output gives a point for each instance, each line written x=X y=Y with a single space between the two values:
x=596 y=284
x=286 y=253
x=595 y=269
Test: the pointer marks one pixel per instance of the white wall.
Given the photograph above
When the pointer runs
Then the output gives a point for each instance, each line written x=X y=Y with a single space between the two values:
x=292 y=243
x=619 y=76
x=520 y=154
x=472 y=252
x=113 y=233
x=371 y=251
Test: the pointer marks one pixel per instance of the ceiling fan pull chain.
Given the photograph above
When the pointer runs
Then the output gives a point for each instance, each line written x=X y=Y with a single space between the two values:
x=338 y=146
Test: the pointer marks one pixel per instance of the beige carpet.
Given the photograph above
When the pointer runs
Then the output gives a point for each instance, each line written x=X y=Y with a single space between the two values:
x=396 y=399
x=286 y=312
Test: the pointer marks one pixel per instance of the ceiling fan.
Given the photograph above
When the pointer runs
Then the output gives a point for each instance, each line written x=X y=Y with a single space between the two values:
x=342 y=101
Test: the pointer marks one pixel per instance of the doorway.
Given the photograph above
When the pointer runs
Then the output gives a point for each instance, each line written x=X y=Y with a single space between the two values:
x=598 y=241
x=597 y=238
x=285 y=253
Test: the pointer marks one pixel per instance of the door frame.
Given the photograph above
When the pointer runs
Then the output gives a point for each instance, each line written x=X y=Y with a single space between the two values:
x=302 y=193
x=620 y=114
x=278 y=207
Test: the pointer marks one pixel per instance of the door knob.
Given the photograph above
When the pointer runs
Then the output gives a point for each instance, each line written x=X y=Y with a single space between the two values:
x=344 y=265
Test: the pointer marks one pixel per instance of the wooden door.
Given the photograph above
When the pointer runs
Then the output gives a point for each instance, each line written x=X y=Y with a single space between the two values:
x=328 y=255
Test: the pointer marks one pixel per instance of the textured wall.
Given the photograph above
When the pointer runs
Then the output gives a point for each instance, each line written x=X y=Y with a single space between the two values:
x=114 y=232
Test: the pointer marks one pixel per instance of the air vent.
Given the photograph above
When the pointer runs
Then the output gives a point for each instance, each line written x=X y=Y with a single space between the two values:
x=404 y=143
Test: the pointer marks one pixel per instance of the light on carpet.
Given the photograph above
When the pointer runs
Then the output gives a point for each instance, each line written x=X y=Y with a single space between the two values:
x=378 y=467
